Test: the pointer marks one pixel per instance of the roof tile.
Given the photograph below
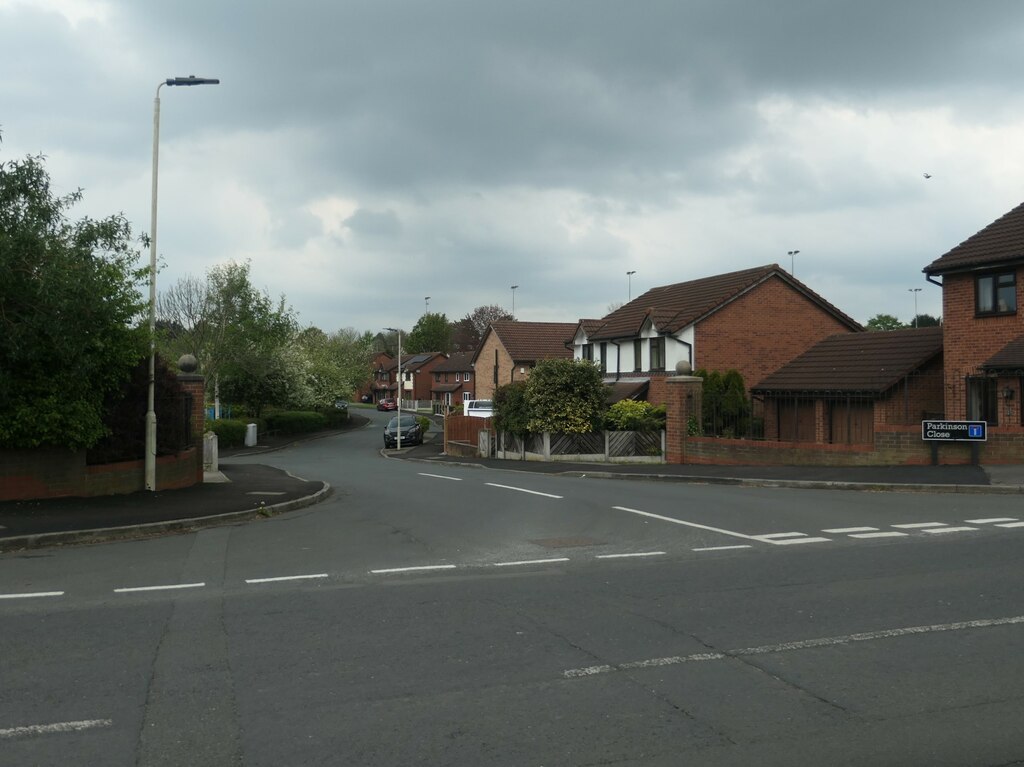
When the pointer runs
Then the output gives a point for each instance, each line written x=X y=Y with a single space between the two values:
x=999 y=242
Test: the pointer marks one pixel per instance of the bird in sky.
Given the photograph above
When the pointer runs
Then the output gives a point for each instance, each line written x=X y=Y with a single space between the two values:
x=927 y=175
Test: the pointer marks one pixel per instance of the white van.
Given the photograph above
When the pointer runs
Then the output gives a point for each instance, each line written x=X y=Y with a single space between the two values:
x=479 y=408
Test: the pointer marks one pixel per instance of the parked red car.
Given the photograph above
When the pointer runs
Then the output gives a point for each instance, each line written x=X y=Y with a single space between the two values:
x=387 y=404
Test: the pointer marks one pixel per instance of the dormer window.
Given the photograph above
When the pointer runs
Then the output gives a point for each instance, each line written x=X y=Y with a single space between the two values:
x=996 y=294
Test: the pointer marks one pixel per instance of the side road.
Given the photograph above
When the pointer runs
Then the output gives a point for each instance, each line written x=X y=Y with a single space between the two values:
x=250 y=491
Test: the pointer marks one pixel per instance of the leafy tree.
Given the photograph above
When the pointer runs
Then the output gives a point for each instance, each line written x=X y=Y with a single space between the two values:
x=927 y=321
x=884 y=322
x=483 y=317
x=70 y=302
x=511 y=413
x=565 y=396
x=724 y=404
x=464 y=336
x=332 y=366
x=432 y=333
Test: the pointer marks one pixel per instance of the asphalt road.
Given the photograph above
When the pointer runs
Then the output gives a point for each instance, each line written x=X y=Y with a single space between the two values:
x=432 y=614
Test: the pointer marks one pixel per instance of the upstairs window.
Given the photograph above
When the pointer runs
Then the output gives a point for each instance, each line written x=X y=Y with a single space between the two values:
x=588 y=352
x=658 y=353
x=996 y=294
x=638 y=355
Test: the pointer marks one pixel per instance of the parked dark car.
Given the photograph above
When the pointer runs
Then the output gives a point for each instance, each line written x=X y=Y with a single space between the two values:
x=387 y=404
x=412 y=432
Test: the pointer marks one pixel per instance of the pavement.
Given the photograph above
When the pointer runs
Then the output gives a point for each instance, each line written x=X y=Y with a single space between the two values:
x=244 y=491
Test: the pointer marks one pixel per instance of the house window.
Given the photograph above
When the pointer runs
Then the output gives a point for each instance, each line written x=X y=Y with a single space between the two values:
x=458 y=377
x=658 y=353
x=465 y=377
x=467 y=396
x=604 y=357
x=437 y=377
x=983 y=399
x=588 y=352
x=638 y=355
x=996 y=294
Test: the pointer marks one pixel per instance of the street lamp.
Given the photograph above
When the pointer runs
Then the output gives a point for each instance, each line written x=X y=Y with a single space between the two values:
x=915 y=291
x=399 y=411
x=514 y=301
x=629 y=284
x=150 y=462
x=791 y=254
x=426 y=301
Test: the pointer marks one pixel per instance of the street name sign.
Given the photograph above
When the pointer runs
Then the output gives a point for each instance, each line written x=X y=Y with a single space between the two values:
x=954 y=431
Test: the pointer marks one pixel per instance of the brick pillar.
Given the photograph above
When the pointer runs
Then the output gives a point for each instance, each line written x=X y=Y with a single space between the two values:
x=682 y=400
x=196 y=386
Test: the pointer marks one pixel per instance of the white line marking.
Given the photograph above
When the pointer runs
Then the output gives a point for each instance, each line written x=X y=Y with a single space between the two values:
x=867 y=636
x=788 y=541
x=160 y=588
x=919 y=525
x=522 y=490
x=285 y=578
x=1012 y=524
x=890 y=534
x=724 y=548
x=772 y=536
x=850 y=530
x=531 y=562
x=46 y=729
x=688 y=524
x=937 y=530
x=626 y=556
x=990 y=521
x=440 y=476
x=413 y=569
x=30 y=595
x=265 y=492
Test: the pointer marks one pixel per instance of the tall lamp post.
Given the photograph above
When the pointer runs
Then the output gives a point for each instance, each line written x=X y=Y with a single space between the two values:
x=426 y=302
x=791 y=253
x=399 y=411
x=629 y=284
x=915 y=291
x=514 y=287
x=150 y=462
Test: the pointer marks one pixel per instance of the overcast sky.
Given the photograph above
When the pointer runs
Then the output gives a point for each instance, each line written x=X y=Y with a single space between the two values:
x=365 y=155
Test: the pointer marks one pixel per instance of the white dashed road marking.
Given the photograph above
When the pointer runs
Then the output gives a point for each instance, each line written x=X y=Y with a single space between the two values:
x=160 y=588
x=724 y=548
x=49 y=729
x=841 y=530
x=522 y=490
x=889 y=534
x=576 y=673
x=1012 y=524
x=920 y=525
x=788 y=541
x=286 y=578
x=772 y=536
x=440 y=476
x=33 y=594
x=412 y=569
x=531 y=562
x=990 y=521
x=626 y=556
x=938 y=530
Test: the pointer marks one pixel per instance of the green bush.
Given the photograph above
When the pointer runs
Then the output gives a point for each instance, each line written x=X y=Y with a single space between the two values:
x=334 y=418
x=230 y=431
x=632 y=415
x=424 y=423
x=295 y=421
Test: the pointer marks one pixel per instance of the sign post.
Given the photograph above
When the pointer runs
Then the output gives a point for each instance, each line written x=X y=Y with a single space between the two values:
x=935 y=432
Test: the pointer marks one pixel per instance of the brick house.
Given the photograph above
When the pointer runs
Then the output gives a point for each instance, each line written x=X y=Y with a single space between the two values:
x=840 y=389
x=753 y=321
x=454 y=381
x=983 y=329
x=367 y=392
x=416 y=376
x=510 y=349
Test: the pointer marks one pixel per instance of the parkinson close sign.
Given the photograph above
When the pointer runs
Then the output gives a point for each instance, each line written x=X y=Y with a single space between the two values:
x=954 y=431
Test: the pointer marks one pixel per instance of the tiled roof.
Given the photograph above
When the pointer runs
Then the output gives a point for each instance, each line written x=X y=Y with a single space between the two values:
x=1010 y=357
x=673 y=307
x=999 y=242
x=456 y=363
x=525 y=341
x=411 y=361
x=862 y=362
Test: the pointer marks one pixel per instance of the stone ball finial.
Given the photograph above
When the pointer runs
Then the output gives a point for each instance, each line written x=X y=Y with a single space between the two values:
x=187 y=363
x=683 y=368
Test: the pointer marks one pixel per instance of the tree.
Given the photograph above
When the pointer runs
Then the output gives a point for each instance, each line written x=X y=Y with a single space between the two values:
x=884 y=322
x=431 y=333
x=927 y=321
x=70 y=305
x=483 y=317
x=332 y=366
x=565 y=396
x=511 y=413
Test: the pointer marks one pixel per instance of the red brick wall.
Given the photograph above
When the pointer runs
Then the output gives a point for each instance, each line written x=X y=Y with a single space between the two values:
x=893 y=446
x=968 y=340
x=761 y=331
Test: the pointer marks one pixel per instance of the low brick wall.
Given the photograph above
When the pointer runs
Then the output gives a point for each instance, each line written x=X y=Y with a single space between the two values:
x=893 y=446
x=56 y=473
